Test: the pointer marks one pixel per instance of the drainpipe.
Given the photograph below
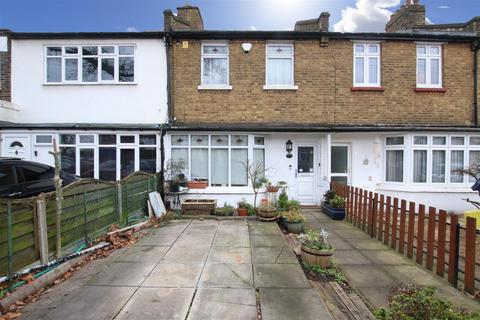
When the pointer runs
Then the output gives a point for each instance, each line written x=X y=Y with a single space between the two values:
x=163 y=131
x=169 y=53
x=476 y=47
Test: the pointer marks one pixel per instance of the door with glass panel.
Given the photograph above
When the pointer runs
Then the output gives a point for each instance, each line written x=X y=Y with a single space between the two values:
x=340 y=160
x=305 y=174
x=127 y=161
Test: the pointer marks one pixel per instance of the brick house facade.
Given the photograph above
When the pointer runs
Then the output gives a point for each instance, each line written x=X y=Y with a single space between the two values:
x=402 y=136
x=5 y=58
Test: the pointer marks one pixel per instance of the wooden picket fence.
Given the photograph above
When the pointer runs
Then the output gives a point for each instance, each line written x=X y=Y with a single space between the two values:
x=433 y=238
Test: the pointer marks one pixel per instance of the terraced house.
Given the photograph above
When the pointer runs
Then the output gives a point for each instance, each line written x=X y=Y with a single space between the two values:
x=394 y=112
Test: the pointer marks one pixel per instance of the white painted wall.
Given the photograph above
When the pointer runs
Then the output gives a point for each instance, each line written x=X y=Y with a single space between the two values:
x=144 y=102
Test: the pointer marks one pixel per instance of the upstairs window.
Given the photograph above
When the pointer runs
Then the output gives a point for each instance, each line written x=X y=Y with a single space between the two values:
x=366 y=65
x=279 y=65
x=90 y=64
x=215 y=64
x=429 y=66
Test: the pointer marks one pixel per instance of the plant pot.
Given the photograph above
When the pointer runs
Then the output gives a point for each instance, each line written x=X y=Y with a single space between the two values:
x=295 y=227
x=242 y=212
x=174 y=186
x=334 y=213
x=272 y=189
x=197 y=184
x=198 y=206
x=267 y=215
x=317 y=257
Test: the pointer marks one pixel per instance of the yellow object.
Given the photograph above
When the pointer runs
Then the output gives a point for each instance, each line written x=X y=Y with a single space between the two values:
x=474 y=214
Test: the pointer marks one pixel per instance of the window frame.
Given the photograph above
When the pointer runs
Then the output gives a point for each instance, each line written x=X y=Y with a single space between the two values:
x=290 y=56
x=79 y=56
x=394 y=147
x=366 y=57
x=428 y=58
x=203 y=85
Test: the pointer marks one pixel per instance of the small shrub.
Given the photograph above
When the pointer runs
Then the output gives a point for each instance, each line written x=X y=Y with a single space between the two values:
x=293 y=216
x=332 y=272
x=329 y=195
x=412 y=302
x=242 y=204
x=226 y=210
x=315 y=240
x=337 y=202
x=282 y=202
x=293 y=205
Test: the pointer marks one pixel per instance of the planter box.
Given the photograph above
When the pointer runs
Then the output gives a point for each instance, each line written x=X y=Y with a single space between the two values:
x=198 y=206
x=316 y=257
x=197 y=184
x=334 y=213
x=295 y=227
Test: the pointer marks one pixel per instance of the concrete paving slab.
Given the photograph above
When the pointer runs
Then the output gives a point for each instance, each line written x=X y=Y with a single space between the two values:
x=280 y=276
x=368 y=276
x=413 y=274
x=366 y=244
x=187 y=254
x=227 y=275
x=339 y=243
x=287 y=304
x=376 y=296
x=172 y=226
x=158 y=303
x=268 y=240
x=273 y=255
x=202 y=227
x=241 y=239
x=388 y=257
x=262 y=228
x=230 y=255
x=174 y=275
x=222 y=303
x=452 y=295
x=195 y=240
x=123 y=274
x=232 y=229
x=91 y=301
x=350 y=257
x=158 y=240
x=143 y=254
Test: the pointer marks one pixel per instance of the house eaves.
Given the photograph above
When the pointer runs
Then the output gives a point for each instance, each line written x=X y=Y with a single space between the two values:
x=4 y=125
x=87 y=35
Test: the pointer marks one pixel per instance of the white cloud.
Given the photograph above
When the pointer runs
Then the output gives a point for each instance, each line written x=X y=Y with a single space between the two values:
x=367 y=16
x=132 y=29
x=253 y=28
x=443 y=7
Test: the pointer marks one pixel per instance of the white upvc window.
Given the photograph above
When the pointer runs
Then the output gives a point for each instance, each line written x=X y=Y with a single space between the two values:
x=215 y=66
x=366 y=65
x=279 y=73
x=89 y=64
x=219 y=158
x=429 y=66
x=394 y=158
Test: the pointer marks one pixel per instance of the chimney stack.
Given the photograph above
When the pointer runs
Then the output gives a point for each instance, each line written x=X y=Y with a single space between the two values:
x=188 y=18
x=409 y=15
x=314 y=25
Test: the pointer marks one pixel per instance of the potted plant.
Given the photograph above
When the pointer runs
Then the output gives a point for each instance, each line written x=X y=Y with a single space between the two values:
x=242 y=208
x=333 y=205
x=225 y=211
x=175 y=174
x=315 y=248
x=271 y=188
x=256 y=174
x=294 y=221
x=267 y=212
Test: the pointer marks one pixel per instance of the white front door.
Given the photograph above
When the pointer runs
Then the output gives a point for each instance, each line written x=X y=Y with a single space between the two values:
x=17 y=146
x=305 y=174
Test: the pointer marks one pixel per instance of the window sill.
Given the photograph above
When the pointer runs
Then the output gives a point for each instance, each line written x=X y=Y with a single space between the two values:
x=79 y=84
x=272 y=87
x=224 y=190
x=214 y=87
x=417 y=89
x=379 y=89
x=416 y=188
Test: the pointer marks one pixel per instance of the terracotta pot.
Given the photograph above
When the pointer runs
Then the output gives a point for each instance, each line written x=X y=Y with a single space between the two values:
x=242 y=212
x=268 y=214
x=264 y=202
x=317 y=257
x=197 y=184
x=272 y=189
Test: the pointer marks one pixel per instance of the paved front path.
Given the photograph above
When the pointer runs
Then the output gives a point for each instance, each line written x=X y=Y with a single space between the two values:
x=373 y=268
x=191 y=270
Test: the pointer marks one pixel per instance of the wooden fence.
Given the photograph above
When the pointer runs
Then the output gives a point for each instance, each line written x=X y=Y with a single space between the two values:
x=433 y=238
x=90 y=207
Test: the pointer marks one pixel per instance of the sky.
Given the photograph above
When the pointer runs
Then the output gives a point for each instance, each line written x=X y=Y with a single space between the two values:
x=147 y=15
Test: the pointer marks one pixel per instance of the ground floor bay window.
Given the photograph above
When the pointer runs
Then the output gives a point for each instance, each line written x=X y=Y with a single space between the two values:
x=219 y=159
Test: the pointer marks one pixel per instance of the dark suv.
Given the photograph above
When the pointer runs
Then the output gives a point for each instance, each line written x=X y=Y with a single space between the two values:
x=23 y=179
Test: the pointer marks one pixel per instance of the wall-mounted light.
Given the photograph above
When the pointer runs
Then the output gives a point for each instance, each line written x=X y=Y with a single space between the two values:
x=289 y=148
x=246 y=47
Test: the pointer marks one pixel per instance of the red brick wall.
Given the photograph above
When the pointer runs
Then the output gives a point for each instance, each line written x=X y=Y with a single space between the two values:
x=5 y=58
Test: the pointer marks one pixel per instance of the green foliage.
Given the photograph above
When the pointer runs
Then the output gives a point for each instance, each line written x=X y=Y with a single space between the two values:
x=242 y=204
x=293 y=205
x=333 y=272
x=337 y=202
x=282 y=202
x=418 y=303
x=293 y=216
x=226 y=210
x=329 y=195
x=281 y=185
x=315 y=240
x=251 y=209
